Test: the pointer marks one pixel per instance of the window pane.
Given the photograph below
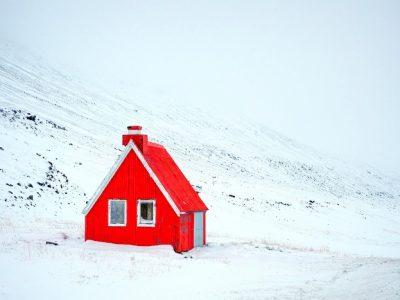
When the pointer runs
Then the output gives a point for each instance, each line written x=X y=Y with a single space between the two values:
x=117 y=213
x=146 y=211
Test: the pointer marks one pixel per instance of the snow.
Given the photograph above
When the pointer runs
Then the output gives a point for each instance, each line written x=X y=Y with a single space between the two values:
x=224 y=269
x=285 y=221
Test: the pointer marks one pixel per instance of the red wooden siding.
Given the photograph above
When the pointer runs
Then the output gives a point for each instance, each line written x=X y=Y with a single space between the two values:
x=132 y=182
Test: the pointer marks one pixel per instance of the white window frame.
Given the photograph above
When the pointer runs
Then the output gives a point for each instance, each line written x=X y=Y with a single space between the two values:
x=109 y=212
x=138 y=218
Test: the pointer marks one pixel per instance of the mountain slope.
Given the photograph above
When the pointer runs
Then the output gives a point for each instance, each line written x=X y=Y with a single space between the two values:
x=59 y=137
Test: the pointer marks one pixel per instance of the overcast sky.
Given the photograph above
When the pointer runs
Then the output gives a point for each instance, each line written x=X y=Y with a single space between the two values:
x=326 y=73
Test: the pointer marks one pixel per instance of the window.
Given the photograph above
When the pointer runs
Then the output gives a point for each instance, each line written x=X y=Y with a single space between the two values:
x=117 y=212
x=146 y=213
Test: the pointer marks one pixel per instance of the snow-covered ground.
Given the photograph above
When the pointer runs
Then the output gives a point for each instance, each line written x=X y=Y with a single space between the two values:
x=285 y=221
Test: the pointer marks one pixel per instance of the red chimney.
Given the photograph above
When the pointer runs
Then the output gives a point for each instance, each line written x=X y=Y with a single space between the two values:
x=135 y=134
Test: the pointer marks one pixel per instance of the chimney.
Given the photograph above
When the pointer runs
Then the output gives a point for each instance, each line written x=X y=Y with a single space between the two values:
x=135 y=134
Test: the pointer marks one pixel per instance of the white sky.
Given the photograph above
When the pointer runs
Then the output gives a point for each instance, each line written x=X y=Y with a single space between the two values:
x=326 y=73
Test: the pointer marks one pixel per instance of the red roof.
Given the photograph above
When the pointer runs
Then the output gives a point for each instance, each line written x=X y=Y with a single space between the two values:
x=172 y=178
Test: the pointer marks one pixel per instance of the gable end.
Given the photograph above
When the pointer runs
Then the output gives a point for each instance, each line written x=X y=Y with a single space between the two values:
x=130 y=146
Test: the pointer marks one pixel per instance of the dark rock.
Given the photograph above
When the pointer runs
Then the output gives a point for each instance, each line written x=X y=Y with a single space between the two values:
x=51 y=243
x=55 y=125
x=31 y=118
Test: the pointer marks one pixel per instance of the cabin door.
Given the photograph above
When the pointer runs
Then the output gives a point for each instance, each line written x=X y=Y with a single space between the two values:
x=198 y=229
x=185 y=232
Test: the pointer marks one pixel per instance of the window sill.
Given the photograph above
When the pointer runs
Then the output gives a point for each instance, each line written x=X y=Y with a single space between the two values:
x=146 y=225
x=117 y=225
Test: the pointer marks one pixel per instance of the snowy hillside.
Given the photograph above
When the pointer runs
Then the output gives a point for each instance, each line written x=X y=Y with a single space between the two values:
x=284 y=220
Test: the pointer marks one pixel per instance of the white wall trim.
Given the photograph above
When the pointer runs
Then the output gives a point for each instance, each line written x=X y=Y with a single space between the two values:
x=125 y=212
x=138 y=222
x=130 y=146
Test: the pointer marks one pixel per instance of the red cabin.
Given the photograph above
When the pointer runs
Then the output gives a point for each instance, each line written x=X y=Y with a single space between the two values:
x=146 y=200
